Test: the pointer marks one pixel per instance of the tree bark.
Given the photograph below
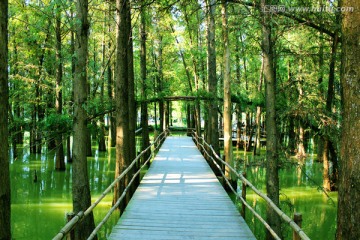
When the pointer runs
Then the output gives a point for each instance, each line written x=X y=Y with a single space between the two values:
x=349 y=181
x=213 y=128
x=101 y=141
x=121 y=100
x=145 y=141
x=81 y=188
x=112 y=133
x=159 y=82
x=326 y=138
x=5 y=192
x=272 y=178
x=257 y=144
x=60 y=158
x=131 y=95
x=228 y=153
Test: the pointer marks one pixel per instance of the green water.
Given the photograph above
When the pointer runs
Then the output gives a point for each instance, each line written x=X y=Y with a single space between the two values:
x=299 y=192
x=39 y=209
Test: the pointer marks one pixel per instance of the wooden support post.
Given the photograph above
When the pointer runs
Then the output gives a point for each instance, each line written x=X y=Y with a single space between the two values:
x=243 y=195
x=71 y=234
x=298 y=221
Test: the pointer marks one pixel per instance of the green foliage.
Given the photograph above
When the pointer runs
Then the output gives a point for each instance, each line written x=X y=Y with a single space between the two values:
x=57 y=123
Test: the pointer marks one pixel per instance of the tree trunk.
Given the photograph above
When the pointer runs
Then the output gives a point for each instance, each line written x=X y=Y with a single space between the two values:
x=291 y=134
x=112 y=132
x=60 y=158
x=349 y=166
x=238 y=125
x=188 y=116
x=301 y=138
x=329 y=100
x=145 y=141
x=131 y=97
x=102 y=144
x=5 y=199
x=166 y=115
x=325 y=158
x=257 y=144
x=158 y=83
x=81 y=188
x=121 y=100
x=213 y=127
x=301 y=153
x=228 y=153
x=196 y=71
x=272 y=178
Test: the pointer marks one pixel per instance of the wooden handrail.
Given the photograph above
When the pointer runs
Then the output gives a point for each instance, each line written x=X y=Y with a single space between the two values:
x=287 y=219
x=78 y=217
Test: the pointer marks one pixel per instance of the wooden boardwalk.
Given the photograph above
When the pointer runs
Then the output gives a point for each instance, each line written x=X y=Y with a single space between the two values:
x=180 y=198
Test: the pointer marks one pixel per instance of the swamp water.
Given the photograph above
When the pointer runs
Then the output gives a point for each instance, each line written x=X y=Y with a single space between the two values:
x=39 y=208
x=299 y=192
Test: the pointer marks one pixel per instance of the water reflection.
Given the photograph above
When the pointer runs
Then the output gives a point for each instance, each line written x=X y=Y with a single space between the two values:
x=39 y=207
x=299 y=192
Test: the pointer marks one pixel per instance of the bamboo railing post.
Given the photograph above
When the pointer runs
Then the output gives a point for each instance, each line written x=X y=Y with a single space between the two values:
x=71 y=234
x=298 y=221
x=243 y=195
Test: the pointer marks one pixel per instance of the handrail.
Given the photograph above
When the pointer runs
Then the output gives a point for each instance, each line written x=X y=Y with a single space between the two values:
x=287 y=219
x=78 y=217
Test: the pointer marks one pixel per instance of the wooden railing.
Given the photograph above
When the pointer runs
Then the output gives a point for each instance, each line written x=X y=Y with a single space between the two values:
x=76 y=219
x=210 y=154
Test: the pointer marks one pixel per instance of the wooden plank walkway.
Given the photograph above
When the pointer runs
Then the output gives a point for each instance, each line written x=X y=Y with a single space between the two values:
x=180 y=198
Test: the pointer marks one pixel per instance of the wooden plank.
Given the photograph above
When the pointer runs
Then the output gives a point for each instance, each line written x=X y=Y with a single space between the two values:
x=180 y=198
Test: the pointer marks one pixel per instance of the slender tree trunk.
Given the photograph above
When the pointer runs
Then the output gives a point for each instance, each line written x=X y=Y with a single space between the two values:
x=329 y=100
x=238 y=125
x=301 y=153
x=17 y=135
x=326 y=163
x=349 y=166
x=5 y=198
x=73 y=62
x=166 y=115
x=238 y=81
x=272 y=177
x=60 y=158
x=39 y=109
x=196 y=73
x=188 y=116
x=257 y=144
x=301 y=139
x=228 y=153
x=159 y=82
x=131 y=96
x=145 y=141
x=121 y=99
x=81 y=188
x=213 y=128
x=110 y=84
x=102 y=144
x=291 y=133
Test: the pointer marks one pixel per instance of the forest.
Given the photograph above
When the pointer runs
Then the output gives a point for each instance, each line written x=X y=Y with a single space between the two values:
x=282 y=77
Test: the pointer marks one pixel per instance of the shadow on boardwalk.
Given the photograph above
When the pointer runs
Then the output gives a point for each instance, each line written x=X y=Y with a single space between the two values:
x=180 y=198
